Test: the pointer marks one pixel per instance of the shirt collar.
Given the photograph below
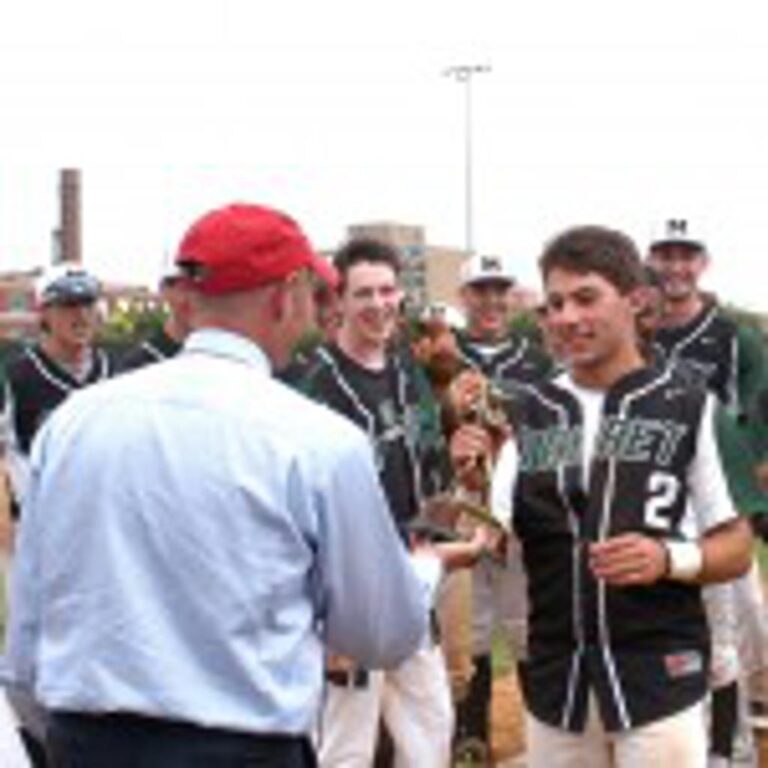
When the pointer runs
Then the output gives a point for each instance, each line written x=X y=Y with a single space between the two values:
x=220 y=343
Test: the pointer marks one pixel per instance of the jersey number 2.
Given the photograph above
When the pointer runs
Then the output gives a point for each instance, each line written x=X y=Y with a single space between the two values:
x=663 y=489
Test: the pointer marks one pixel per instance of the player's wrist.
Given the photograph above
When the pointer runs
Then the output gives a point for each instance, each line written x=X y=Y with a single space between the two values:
x=684 y=560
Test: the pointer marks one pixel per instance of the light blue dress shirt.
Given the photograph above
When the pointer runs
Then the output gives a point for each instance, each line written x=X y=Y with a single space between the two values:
x=195 y=532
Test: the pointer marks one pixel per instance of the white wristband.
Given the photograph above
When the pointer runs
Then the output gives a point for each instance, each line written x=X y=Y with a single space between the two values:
x=685 y=560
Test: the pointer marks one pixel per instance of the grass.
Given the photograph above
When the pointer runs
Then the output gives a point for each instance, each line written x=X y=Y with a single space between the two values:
x=502 y=659
x=761 y=552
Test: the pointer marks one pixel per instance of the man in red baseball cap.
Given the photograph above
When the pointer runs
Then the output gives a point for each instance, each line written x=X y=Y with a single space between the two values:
x=246 y=246
x=242 y=247
x=235 y=526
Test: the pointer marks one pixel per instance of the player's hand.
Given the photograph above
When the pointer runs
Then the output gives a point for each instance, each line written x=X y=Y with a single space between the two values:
x=466 y=391
x=629 y=559
x=482 y=540
x=468 y=443
x=470 y=447
x=335 y=662
x=464 y=554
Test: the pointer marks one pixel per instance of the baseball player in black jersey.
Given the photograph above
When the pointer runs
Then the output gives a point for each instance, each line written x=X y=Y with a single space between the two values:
x=487 y=343
x=364 y=376
x=65 y=358
x=506 y=360
x=38 y=379
x=612 y=484
x=727 y=358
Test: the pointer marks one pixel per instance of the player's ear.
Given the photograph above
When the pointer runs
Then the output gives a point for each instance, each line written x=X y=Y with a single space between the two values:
x=285 y=294
x=279 y=300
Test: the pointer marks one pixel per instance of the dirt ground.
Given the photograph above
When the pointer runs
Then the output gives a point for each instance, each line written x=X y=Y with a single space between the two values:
x=506 y=718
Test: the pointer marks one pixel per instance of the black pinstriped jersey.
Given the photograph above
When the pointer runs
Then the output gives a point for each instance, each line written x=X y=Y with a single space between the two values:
x=515 y=360
x=158 y=347
x=643 y=651
x=396 y=409
x=36 y=384
x=722 y=356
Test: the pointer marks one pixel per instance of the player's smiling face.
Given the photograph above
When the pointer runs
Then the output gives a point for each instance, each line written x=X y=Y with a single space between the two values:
x=370 y=303
x=680 y=268
x=72 y=325
x=590 y=322
x=489 y=308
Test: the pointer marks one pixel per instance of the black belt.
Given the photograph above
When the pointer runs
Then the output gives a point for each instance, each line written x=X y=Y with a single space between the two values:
x=352 y=678
x=359 y=678
x=149 y=722
x=66 y=728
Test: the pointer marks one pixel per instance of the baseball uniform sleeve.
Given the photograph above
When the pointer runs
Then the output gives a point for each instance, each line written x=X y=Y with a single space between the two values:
x=503 y=484
x=375 y=606
x=710 y=496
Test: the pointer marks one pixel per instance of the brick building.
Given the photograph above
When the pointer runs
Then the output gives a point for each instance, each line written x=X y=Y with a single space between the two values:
x=431 y=273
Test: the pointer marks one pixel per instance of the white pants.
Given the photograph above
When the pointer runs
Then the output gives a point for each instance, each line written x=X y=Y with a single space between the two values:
x=736 y=615
x=678 y=741
x=752 y=632
x=12 y=751
x=415 y=702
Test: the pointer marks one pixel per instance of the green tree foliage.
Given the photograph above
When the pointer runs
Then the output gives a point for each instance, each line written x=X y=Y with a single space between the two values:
x=526 y=324
x=128 y=325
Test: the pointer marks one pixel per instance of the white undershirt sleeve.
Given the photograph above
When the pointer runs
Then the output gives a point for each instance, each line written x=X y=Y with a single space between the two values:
x=710 y=498
x=503 y=484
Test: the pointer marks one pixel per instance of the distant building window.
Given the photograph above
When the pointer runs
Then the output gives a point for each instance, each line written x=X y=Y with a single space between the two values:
x=411 y=252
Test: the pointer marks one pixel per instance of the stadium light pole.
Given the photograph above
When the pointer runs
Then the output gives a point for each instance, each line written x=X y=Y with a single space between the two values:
x=463 y=74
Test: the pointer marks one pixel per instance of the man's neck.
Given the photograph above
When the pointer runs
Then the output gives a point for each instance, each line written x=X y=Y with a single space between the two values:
x=70 y=356
x=172 y=331
x=372 y=356
x=482 y=336
x=604 y=375
x=677 y=313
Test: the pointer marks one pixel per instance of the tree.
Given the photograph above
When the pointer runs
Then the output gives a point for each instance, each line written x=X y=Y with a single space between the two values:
x=128 y=325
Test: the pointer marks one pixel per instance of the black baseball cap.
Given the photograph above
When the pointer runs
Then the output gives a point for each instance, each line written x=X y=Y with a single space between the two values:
x=68 y=286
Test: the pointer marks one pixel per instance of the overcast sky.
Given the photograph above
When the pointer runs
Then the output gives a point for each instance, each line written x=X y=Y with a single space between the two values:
x=603 y=112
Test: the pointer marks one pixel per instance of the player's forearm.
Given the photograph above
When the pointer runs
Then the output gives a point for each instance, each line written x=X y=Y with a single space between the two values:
x=726 y=552
x=459 y=554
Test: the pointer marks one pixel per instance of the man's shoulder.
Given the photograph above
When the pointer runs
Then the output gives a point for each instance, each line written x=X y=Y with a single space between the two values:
x=529 y=397
x=317 y=362
x=748 y=336
x=135 y=357
x=21 y=360
x=312 y=423
x=724 y=320
x=320 y=372
x=153 y=349
x=535 y=356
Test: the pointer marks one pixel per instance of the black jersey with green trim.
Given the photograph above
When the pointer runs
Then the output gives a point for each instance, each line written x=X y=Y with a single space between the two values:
x=158 y=347
x=643 y=651
x=719 y=353
x=396 y=409
x=515 y=360
x=36 y=384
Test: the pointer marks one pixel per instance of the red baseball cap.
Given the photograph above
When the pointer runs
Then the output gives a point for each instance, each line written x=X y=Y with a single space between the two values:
x=242 y=246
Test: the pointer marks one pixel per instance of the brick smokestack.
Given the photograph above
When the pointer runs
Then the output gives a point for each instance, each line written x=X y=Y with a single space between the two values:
x=70 y=241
